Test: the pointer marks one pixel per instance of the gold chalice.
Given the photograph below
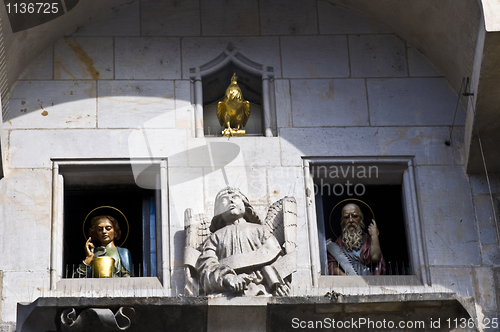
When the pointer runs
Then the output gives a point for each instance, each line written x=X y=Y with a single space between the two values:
x=103 y=267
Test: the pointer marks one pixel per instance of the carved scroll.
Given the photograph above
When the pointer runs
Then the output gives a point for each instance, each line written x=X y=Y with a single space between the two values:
x=105 y=318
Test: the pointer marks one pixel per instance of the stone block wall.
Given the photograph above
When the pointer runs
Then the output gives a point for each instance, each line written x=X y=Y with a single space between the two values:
x=486 y=200
x=344 y=86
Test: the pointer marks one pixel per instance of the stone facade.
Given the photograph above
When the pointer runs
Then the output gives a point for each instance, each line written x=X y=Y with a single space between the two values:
x=344 y=86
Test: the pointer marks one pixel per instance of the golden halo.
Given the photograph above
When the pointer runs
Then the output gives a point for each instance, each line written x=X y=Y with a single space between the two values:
x=347 y=199
x=109 y=207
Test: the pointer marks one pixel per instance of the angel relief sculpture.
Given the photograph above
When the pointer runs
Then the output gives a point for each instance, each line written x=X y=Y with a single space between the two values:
x=236 y=253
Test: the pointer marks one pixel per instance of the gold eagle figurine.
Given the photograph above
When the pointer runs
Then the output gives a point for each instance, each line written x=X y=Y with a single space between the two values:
x=233 y=111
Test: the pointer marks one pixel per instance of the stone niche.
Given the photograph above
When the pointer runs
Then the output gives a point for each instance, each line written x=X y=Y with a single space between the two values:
x=210 y=81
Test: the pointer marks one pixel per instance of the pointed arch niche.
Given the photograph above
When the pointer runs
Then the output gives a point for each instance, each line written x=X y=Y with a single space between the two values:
x=210 y=81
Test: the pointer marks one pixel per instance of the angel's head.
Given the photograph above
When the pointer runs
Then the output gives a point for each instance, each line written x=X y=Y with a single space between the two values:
x=231 y=205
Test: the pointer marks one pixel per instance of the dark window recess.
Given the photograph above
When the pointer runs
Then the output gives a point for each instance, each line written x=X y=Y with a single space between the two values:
x=386 y=203
x=137 y=204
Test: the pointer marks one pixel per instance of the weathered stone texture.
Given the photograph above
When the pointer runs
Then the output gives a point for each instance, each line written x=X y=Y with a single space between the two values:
x=419 y=65
x=197 y=51
x=147 y=58
x=42 y=68
x=130 y=104
x=440 y=215
x=480 y=184
x=229 y=17
x=455 y=279
x=83 y=58
x=283 y=104
x=337 y=20
x=25 y=210
x=377 y=56
x=485 y=288
x=236 y=318
x=170 y=18
x=288 y=17
x=5 y=328
x=329 y=103
x=313 y=56
x=399 y=102
x=426 y=144
x=31 y=145
x=485 y=218
x=52 y=104
x=123 y=20
x=183 y=107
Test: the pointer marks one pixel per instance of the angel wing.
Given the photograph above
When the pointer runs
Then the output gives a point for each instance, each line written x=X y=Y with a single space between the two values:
x=197 y=230
x=281 y=220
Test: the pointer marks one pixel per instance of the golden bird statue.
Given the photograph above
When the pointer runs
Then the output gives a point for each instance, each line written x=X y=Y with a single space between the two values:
x=233 y=111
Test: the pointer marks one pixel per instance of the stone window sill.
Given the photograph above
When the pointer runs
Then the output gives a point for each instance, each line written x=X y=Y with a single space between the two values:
x=362 y=281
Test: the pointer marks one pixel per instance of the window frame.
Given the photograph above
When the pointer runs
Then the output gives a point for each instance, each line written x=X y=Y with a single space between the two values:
x=57 y=221
x=413 y=225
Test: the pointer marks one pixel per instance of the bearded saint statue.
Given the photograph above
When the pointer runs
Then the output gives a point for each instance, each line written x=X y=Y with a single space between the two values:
x=355 y=252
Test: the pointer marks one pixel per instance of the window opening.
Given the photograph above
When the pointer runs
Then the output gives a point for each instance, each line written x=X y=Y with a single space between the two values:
x=99 y=187
x=387 y=180
x=387 y=205
x=135 y=204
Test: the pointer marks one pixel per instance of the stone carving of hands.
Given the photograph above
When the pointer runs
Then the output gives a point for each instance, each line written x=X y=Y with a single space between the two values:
x=235 y=283
x=282 y=289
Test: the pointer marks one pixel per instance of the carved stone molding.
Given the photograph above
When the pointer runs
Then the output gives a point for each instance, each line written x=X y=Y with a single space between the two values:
x=199 y=313
x=95 y=318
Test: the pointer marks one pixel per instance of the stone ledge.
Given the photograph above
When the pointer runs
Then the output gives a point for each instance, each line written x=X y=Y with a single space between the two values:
x=364 y=281
x=194 y=313
x=109 y=286
x=415 y=299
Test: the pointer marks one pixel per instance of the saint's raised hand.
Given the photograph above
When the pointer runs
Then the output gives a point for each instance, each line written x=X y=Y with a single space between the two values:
x=373 y=229
x=89 y=249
